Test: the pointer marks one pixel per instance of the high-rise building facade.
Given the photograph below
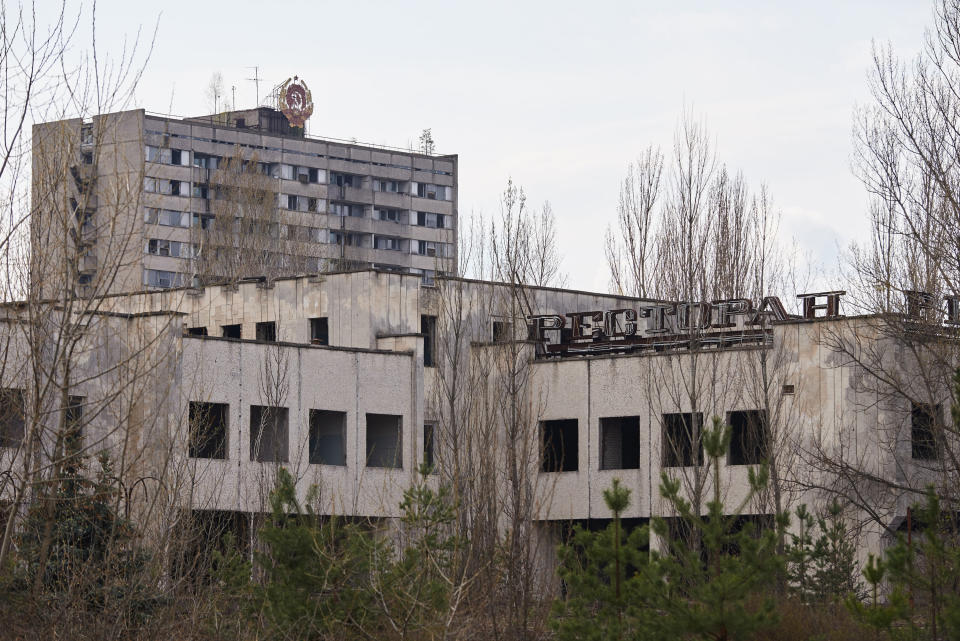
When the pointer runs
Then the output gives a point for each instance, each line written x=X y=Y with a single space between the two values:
x=132 y=200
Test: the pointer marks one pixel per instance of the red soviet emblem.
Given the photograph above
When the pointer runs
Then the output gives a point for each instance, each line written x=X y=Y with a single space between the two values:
x=296 y=103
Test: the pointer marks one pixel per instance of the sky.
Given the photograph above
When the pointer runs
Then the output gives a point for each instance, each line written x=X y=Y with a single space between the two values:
x=559 y=96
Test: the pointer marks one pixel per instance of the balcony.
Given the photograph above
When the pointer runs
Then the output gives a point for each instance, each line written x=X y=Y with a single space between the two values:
x=350 y=194
x=87 y=264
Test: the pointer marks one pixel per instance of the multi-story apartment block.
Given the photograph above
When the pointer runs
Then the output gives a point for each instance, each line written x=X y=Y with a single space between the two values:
x=136 y=200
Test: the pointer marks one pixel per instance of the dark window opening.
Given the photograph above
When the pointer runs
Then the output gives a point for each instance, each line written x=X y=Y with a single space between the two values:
x=268 y=434
x=384 y=437
x=267 y=332
x=428 y=327
x=681 y=440
x=502 y=331
x=749 y=437
x=320 y=331
x=208 y=430
x=174 y=187
x=327 y=437
x=429 y=446
x=620 y=443
x=73 y=424
x=202 y=536
x=196 y=331
x=924 y=425
x=560 y=445
x=313 y=175
x=231 y=331
x=11 y=417
x=175 y=156
x=87 y=157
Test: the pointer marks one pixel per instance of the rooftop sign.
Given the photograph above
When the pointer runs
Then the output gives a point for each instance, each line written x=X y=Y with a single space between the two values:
x=660 y=326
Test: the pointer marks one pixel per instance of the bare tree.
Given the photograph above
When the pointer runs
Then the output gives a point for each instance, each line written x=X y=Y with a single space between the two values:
x=690 y=232
x=901 y=355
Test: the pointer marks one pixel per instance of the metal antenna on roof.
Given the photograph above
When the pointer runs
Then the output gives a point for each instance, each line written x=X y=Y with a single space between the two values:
x=256 y=81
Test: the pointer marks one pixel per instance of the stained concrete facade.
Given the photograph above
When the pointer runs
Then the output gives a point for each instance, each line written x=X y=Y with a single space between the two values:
x=381 y=357
x=132 y=193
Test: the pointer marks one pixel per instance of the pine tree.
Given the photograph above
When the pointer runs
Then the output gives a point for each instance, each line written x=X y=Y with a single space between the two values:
x=603 y=601
x=822 y=569
x=717 y=588
x=922 y=573
x=722 y=588
x=313 y=570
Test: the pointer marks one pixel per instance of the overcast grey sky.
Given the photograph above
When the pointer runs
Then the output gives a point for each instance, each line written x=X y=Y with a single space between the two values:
x=558 y=95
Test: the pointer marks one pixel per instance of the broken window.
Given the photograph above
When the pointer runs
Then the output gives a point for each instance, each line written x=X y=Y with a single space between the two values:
x=231 y=331
x=11 y=417
x=268 y=434
x=208 y=430
x=267 y=331
x=429 y=445
x=620 y=443
x=560 y=445
x=502 y=331
x=384 y=440
x=196 y=331
x=681 y=440
x=748 y=437
x=924 y=422
x=320 y=331
x=328 y=437
x=428 y=327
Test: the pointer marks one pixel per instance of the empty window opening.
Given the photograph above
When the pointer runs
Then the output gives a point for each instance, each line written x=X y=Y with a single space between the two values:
x=202 y=536
x=73 y=425
x=232 y=331
x=502 y=331
x=267 y=331
x=429 y=446
x=620 y=443
x=924 y=426
x=681 y=440
x=328 y=437
x=11 y=417
x=560 y=445
x=428 y=327
x=208 y=430
x=196 y=331
x=268 y=434
x=749 y=437
x=384 y=440
x=320 y=331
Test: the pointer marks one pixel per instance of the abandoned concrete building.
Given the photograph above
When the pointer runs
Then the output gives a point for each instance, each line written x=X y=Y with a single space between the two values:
x=142 y=337
x=348 y=380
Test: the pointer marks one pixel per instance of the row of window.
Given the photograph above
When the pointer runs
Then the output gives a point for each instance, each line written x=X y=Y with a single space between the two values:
x=171 y=248
x=270 y=435
x=682 y=446
x=305 y=175
x=680 y=436
x=429 y=191
x=419 y=218
x=174 y=218
x=293 y=151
